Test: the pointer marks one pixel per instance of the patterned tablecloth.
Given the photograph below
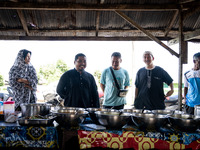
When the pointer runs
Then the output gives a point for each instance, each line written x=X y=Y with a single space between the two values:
x=138 y=140
x=28 y=136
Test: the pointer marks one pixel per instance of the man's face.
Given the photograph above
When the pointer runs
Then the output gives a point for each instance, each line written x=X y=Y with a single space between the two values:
x=148 y=59
x=197 y=64
x=80 y=63
x=116 y=62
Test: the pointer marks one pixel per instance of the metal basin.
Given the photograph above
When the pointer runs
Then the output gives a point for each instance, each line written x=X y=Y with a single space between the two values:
x=149 y=121
x=93 y=115
x=70 y=118
x=184 y=122
x=163 y=112
x=113 y=119
x=132 y=110
x=35 y=109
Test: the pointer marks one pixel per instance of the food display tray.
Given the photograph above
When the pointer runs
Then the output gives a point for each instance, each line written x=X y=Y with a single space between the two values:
x=24 y=121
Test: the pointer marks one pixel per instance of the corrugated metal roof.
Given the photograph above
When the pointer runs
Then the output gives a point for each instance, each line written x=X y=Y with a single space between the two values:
x=78 y=21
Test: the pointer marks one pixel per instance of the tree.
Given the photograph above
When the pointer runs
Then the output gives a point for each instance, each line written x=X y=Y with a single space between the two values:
x=51 y=72
x=62 y=66
x=1 y=80
x=97 y=74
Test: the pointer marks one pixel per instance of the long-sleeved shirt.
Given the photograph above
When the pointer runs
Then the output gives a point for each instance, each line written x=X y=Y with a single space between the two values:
x=78 y=90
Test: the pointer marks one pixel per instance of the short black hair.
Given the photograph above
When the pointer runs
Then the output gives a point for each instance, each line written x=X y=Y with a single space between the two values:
x=78 y=55
x=196 y=56
x=116 y=54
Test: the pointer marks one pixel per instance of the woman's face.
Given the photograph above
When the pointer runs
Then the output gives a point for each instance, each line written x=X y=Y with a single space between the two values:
x=28 y=58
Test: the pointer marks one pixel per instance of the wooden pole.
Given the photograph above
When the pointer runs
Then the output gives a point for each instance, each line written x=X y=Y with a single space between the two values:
x=181 y=41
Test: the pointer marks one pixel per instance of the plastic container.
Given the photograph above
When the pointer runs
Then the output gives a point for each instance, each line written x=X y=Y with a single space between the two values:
x=197 y=111
x=9 y=111
x=1 y=107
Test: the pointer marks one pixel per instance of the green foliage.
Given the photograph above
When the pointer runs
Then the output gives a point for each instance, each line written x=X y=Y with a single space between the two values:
x=62 y=66
x=51 y=72
x=97 y=74
x=1 y=80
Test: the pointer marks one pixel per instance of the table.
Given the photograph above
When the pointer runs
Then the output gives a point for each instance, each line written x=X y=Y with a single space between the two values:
x=138 y=140
x=13 y=135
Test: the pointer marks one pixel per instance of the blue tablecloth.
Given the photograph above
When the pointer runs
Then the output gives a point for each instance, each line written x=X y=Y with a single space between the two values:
x=14 y=135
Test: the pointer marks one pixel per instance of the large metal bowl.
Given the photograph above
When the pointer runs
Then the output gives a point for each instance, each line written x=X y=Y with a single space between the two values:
x=93 y=115
x=34 y=109
x=149 y=121
x=112 y=119
x=132 y=110
x=70 y=118
x=163 y=112
x=184 y=122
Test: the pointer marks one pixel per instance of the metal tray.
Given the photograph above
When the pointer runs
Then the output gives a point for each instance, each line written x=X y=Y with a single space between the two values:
x=24 y=121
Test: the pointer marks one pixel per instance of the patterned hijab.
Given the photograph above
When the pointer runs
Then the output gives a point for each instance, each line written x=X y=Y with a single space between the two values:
x=20 y=69
x=20 y=60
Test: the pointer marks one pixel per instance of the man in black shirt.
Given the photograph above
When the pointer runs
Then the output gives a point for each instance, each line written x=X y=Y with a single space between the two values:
x=78 y=87
x=149 y=81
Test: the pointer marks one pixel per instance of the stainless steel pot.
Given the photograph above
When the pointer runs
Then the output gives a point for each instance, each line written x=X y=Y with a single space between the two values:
x=112 y=119
x=149 y=121
x=93 y=115
x=34 y=109
x=184 y=122
x=70 y=117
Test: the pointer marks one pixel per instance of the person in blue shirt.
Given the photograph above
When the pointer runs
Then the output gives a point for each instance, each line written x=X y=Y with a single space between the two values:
x=192 y=86
x=108 y=86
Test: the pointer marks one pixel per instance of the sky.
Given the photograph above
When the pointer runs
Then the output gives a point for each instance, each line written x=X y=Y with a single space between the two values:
x=98 y=54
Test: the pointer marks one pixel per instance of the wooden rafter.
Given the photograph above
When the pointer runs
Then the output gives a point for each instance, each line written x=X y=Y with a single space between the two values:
x=96 y=7
x=171 y=23
x=190 y=11
x=97 y=22
x=129 y=20
x=187 y=37
x=23 y=21
x=78 y=38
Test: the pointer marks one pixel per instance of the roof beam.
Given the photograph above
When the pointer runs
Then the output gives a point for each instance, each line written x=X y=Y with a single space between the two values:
x=190 y=11
x=107 y=33
x=23 y=21
x=171 y=23
x=70 y=38
x=96 y=7
x=130 y=21
x=188 y=36
x=97 y=22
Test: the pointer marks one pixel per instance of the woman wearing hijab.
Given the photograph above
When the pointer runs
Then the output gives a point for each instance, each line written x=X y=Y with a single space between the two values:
x=23 y=79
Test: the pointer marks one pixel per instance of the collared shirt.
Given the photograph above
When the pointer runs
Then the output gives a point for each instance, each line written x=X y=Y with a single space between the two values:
x=78 y=90
x=192 y=81
x=150 y=88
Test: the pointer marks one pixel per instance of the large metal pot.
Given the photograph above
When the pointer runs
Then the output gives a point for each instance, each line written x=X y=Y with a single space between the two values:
x=184 y=122
x=163 y=112
x=70 y=118
x=93 y=115
x=34 y=109
x=112 y=119
x=149 y=121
